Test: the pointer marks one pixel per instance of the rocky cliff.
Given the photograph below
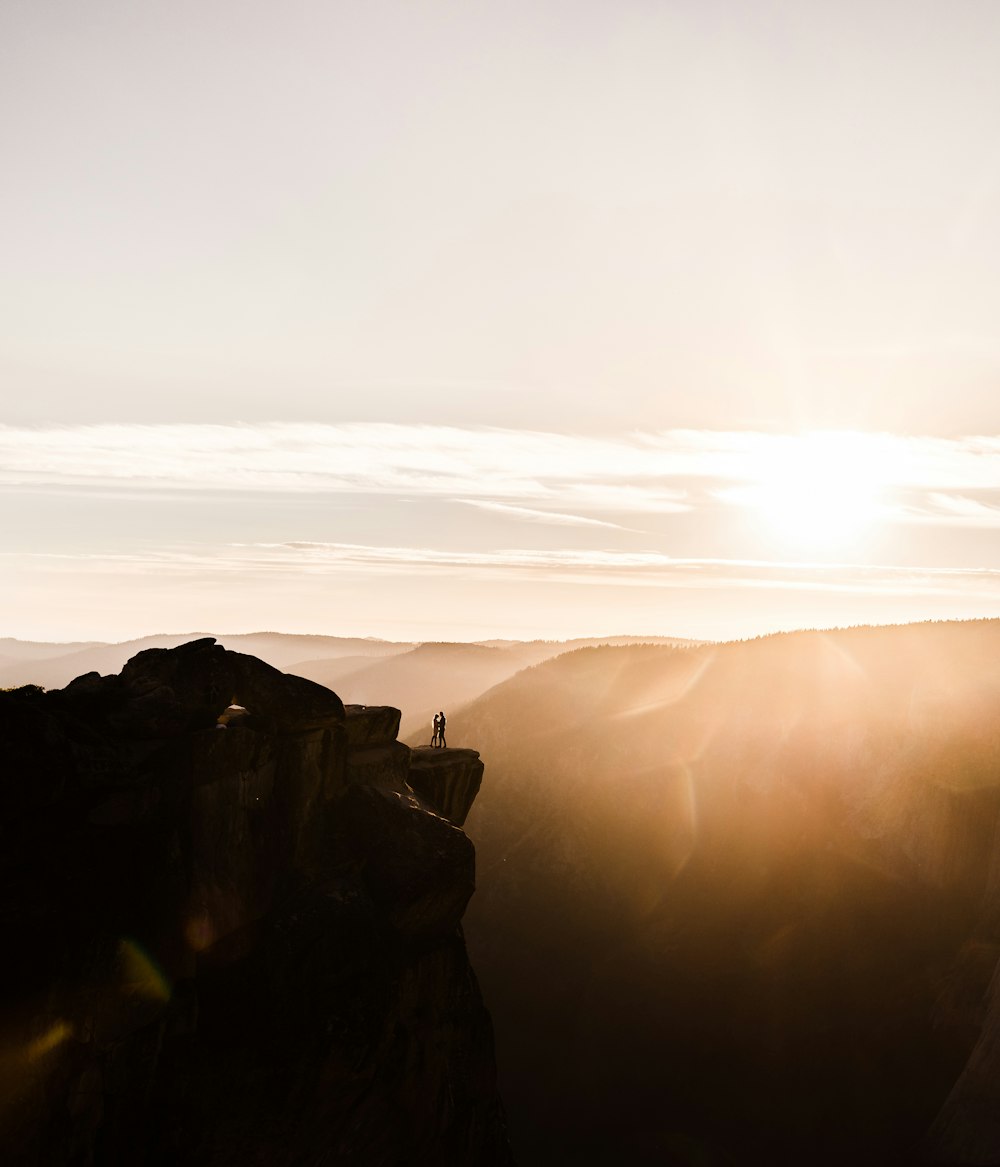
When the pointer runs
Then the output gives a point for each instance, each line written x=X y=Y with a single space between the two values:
x=232 y=927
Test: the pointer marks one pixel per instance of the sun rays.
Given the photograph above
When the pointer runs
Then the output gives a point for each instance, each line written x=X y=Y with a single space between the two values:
x=821 y=491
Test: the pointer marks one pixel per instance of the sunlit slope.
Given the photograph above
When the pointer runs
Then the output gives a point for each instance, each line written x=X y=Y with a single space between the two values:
x=425 y=679
x=432 y=676
x=739 y=894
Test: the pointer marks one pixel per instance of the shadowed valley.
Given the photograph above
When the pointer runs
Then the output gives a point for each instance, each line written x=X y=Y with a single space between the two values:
x=739 y=904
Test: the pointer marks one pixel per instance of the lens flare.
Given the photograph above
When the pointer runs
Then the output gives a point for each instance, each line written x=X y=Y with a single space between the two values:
x=52 y=1038
x=141 y=976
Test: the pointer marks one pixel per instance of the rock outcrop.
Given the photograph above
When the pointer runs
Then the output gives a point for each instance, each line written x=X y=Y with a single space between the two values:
x=236 y=940
x=448 y=779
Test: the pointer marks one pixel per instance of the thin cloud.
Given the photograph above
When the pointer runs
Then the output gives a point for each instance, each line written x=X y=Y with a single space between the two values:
x=521 y=467
x=566 y=565
x=555 y=518
x=961 y=508
x=557 y=478
x=637 y=568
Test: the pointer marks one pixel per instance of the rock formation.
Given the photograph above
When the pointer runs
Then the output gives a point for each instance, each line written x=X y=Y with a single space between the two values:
x=447 y=779
x=237 y=941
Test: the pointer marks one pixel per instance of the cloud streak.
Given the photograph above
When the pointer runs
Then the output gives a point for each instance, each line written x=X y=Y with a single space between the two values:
x=959 y=508
x=545 y=477
x=553 y=518
x=565 y=566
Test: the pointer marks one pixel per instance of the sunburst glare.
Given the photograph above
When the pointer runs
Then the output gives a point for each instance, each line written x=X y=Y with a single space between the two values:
x=820 y=491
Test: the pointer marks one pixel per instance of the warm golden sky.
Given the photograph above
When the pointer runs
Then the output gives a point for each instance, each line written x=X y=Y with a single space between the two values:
x=457 y=320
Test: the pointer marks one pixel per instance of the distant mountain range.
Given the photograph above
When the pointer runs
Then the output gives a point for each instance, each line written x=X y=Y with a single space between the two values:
x=416 y=678
x=54 y=665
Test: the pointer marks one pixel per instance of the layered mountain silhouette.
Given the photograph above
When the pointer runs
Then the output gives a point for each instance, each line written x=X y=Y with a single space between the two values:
x=740 y=904
x=419 y=679
x=433 y=676
x=25 y=662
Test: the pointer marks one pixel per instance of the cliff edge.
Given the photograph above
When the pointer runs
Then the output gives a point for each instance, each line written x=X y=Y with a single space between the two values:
x=232 y=927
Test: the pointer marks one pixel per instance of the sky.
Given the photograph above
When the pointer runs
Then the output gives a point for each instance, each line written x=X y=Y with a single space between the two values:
x=435 y=320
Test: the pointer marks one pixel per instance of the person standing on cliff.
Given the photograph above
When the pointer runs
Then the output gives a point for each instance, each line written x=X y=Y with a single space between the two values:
x=441 y=722
x=437 y=730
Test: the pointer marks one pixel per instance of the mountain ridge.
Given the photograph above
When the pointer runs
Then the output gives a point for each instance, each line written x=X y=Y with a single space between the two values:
x=758 y=878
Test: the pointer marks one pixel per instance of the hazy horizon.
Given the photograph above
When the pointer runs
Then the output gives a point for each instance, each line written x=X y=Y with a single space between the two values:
x=520 y=321
x=221 y=634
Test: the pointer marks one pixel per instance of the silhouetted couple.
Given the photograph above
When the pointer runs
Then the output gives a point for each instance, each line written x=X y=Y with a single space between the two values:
x=440 y=721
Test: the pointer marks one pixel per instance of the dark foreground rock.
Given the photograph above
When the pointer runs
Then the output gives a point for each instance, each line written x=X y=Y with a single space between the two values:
x=447 y=779
x=236 y=945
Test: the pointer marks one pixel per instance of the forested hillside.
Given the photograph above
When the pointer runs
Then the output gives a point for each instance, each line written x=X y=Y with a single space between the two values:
x=738 y=903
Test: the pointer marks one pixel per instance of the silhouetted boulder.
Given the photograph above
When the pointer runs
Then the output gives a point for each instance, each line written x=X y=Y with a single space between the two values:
x=164 y=692
x=371 y=725
x=291 y=703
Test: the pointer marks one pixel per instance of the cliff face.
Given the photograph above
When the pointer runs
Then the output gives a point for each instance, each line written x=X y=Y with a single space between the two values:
x=235 y=945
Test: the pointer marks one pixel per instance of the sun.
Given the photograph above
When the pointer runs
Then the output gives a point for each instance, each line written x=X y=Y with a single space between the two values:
x=820 y=491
